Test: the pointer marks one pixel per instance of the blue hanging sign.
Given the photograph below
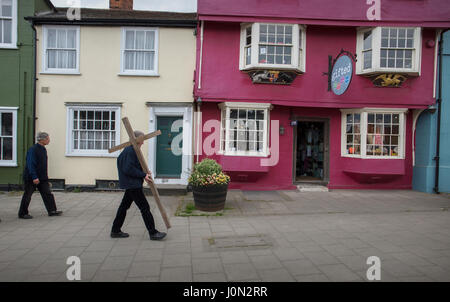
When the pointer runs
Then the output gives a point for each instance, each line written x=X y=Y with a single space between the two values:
x=341 y=74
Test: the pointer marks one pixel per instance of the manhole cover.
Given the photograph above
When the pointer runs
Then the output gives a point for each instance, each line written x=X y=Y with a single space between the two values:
x=229 y=243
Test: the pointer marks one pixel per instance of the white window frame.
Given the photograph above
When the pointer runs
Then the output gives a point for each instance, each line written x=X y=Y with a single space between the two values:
x=376 y=52
x=225 y=111
x=13 y=161
x=14 y=13
x=45 y=69
x=122 y=53
x=298 y=61
x=70 y=151
x=363 y=130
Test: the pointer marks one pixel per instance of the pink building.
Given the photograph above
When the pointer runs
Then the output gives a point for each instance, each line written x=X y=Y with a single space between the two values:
x=262 y=71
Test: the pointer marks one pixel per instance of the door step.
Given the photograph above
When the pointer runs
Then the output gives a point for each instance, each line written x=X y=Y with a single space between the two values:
x=311 y=188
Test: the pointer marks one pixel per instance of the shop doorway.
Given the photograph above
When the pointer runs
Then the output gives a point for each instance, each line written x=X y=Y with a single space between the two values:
x=311 y=151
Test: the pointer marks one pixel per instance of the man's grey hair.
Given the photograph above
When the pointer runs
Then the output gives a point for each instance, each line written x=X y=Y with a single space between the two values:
x=41 y=136
x=138 y=133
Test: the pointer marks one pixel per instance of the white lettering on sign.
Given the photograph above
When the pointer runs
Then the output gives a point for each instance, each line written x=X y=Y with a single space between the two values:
x=340 y=71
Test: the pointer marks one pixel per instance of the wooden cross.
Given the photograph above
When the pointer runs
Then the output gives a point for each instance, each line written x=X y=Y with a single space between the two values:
x=134 y=141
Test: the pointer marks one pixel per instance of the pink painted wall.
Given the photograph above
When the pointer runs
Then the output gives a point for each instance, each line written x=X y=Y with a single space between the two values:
x=221 y=78
x=424 y=11
x=372 y=173
x=278 y=177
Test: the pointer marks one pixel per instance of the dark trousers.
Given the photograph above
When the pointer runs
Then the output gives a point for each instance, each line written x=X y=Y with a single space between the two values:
x=136 y=195
x=46 y=194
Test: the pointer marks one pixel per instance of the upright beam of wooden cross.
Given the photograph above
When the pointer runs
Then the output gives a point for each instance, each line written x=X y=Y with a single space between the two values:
x=134 y=142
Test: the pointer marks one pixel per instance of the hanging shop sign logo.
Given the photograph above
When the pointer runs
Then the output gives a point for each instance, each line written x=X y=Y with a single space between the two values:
x=341 y=74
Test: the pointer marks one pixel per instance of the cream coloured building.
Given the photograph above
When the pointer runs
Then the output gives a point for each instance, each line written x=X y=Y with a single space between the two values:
x=108 y=65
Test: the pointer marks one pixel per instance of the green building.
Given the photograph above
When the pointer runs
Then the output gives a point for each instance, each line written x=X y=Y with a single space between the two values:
x=17 y=75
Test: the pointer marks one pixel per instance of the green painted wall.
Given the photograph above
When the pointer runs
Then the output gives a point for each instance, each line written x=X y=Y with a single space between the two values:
x=16 y=86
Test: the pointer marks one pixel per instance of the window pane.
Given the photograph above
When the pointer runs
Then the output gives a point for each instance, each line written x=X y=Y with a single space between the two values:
x=7 y=31
x=260 y=114
x=242 y=113
x=263 y=28
x=367 y=40
x=129 y=59
x=71 y=39
x=51 y=58
x=150 y=40
x=7 y=124
x=233 y=113
x=395 y=118
x=72 y=59
x=51 y=38
x=7 y=145
x=349 y=118
x=1 y=31
x=368 y=59
x=129 y=39
x=140 y=60
x=140 y=39
x=61 y=36
x=278 y=59
x=6 y=8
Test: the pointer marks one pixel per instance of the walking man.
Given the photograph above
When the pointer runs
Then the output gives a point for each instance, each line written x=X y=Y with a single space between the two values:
x=131 y=178
x=35 y=176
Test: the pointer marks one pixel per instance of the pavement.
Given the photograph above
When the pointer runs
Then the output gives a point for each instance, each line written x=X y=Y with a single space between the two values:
x=260 y=236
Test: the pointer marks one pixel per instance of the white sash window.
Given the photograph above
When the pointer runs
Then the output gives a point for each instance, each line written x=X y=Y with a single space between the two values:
x=61 y=49
x=139 y=51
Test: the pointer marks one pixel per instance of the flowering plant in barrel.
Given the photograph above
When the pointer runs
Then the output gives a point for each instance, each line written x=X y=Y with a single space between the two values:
x=209 y=185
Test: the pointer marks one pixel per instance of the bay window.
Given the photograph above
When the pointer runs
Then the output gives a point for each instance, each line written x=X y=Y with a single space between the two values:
x=388 y=49
x=373 y=133
x=272 y=46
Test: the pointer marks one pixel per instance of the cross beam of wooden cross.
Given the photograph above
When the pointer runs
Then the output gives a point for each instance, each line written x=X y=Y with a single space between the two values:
x=134 y=141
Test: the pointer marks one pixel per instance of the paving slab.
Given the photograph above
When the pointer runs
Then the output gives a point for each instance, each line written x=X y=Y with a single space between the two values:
x=263 y=236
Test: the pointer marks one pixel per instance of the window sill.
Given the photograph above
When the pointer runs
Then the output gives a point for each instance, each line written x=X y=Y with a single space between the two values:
x=10 y=165
x=262 y=155
x=61 y=72
x=371 y=157
x=271 y=67
x=13 y=47
x=126 y=74
x=377 y=71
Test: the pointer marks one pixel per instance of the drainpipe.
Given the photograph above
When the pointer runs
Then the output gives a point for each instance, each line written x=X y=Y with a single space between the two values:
x=439 y=102
x=198 y=121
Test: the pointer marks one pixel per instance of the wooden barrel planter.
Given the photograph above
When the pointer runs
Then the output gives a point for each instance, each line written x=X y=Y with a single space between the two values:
x=210 y=198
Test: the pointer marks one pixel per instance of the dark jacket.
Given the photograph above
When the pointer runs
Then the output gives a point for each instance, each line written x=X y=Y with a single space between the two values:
x=131 y=175
x=36 y=164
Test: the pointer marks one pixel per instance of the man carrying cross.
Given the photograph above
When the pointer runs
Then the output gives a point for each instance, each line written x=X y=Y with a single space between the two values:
x=131 y=178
